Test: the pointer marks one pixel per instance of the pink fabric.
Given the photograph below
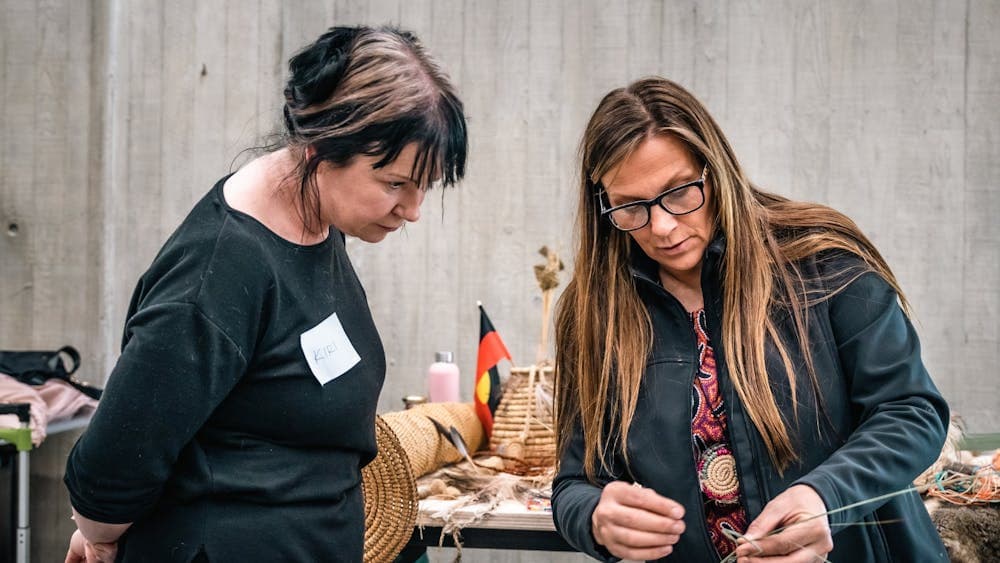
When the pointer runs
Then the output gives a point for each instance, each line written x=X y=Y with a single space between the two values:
x=64 y=401
x=51 y=401
x=13 y=391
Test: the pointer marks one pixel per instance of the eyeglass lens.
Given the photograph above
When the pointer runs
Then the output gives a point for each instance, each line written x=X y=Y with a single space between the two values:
x=677 y=202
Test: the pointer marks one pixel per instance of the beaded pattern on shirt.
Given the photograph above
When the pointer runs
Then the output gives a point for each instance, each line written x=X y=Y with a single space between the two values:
x=715 y=462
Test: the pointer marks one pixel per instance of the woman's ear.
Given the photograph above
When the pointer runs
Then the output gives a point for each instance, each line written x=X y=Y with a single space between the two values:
x=310 y=152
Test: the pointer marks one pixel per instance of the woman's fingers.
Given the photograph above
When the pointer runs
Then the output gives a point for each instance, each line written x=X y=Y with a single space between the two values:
x=640 y=519
x=646 y=499
x=615 y=524
x=638 y=538
x=787 y=547
x=83 y=551
x=633 y=554
x=630 y=507
x=99 y=552
x=791 y=527
x=803 y=554
x=636 y=523
x=105 y=552
x=76 y=552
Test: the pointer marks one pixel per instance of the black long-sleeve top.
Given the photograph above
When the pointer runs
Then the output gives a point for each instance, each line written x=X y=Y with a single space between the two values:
x=214 y=434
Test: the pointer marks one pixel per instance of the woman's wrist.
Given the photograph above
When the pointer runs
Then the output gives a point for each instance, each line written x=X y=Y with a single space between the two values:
x=98 y=532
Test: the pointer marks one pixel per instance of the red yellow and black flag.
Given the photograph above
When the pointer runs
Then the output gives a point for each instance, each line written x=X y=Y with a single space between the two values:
x=491 y=351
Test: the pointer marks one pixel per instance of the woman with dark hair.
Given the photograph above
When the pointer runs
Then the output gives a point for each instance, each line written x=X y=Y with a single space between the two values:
x=237 y=420
x=731 y=364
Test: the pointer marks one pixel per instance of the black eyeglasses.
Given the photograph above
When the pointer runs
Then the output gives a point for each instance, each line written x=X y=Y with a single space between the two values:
x=681 y=200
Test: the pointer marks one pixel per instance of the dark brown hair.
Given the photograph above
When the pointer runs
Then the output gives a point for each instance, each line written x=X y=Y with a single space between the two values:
x=371 y=91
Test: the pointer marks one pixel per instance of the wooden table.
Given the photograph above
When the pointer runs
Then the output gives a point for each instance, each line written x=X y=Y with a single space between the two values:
x=510 y=526
x=513 y=526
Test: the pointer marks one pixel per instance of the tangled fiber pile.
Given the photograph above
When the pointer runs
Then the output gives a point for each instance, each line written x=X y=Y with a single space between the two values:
x=963 y=499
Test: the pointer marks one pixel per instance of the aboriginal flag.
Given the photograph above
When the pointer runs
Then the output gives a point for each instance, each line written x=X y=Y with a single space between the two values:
x=491 y=351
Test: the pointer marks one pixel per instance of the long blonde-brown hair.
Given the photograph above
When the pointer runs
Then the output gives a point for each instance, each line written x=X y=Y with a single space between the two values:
x=603 y=331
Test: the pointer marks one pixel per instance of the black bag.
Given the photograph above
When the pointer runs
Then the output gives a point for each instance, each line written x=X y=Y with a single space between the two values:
x=36 y=367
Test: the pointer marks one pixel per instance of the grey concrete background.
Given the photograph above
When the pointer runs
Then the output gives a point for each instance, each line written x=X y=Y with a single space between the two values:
x=118 y=115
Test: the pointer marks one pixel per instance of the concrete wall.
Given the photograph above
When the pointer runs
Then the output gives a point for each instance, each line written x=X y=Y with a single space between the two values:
x=118 y=115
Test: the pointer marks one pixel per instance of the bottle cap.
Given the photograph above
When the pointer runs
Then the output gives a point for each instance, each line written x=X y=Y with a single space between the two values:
x=443 y=357
x=410 y=401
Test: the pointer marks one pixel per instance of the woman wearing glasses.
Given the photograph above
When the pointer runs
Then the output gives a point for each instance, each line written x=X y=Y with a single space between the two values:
x=731 y=364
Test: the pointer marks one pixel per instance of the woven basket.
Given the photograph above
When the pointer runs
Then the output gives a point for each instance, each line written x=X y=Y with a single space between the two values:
x=426 y=449
x=523 y=425
x=390 y=493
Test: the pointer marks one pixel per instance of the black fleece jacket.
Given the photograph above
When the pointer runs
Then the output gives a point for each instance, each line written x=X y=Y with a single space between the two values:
x=879 y=422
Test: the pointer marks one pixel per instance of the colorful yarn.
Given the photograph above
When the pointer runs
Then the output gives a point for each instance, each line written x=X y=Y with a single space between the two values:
x=982 y=486
x=717 y=475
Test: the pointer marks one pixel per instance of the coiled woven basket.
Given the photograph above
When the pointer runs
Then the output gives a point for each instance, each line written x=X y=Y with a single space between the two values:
x=426 y=449
x=523 y=425
x=390 y=492
x=409 y=446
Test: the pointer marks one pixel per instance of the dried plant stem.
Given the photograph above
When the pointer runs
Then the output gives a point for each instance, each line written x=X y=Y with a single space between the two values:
x=547 y=275
x=543 y=348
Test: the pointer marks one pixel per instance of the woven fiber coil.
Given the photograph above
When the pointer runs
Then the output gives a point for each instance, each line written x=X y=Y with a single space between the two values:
x=523 y=425
x=390 y=493
x=427 y=450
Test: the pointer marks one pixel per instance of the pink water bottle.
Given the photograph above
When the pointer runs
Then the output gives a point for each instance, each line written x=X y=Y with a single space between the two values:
x=442 y=379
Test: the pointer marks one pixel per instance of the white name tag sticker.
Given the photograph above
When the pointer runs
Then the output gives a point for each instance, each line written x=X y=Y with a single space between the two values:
x=328 y=350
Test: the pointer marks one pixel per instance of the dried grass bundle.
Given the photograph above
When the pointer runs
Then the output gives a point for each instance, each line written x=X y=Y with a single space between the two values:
x=479 y=492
